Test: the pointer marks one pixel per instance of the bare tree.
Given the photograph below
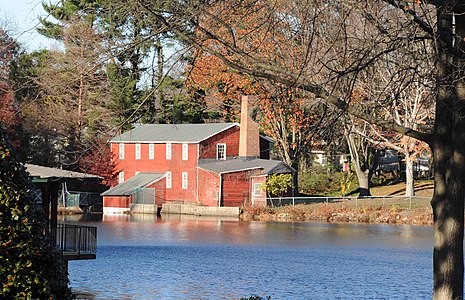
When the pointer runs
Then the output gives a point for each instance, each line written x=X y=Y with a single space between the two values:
x=402 y=86
x=74 y=93
x=363 y=152
x=409 y=105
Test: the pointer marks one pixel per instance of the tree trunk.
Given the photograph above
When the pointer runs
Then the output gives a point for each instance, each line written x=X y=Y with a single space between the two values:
x=409 y=181
x=80 y=106
x=364 y=183
x=363 y=176
x=295 y=179
x=448 y=210
x=157 y=78
x=449 y=158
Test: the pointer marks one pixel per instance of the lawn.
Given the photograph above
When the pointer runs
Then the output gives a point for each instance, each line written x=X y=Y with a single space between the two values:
x=423 y=188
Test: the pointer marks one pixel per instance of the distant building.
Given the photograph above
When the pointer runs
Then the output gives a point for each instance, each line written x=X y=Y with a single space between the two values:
x=338 y=161
x=389 y=161
x=216 y=164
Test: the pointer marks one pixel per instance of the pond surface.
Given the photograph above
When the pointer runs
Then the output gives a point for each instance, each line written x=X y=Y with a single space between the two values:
x=174 y=257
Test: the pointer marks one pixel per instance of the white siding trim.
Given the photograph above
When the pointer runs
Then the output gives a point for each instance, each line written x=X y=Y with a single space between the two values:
x=185 y=151
x=121 y=151
x=169 y=182
x=151 y=151
x=168 y=151
x=137 y=151
x=185 y=180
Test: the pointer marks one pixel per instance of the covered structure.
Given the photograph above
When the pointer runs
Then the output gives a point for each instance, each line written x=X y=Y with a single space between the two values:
x=74 y=242
x=144 y=193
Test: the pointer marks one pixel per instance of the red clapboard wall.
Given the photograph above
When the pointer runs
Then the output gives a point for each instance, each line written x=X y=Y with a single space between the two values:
x=235 y=189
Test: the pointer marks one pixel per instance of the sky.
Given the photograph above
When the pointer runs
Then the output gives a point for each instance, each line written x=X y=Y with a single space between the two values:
x=23 y=17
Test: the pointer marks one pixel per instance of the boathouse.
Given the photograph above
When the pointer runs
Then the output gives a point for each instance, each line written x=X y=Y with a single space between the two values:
x=74 y=242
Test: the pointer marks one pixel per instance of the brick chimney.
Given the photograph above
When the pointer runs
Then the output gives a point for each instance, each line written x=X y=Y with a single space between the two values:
x=249 y=144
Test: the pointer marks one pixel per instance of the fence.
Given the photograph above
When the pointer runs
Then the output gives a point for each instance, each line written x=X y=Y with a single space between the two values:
x=378 y=201
x=76 y=239
x=74 y=198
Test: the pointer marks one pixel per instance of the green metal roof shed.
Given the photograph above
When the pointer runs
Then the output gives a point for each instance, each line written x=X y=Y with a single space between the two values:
x=134 y=183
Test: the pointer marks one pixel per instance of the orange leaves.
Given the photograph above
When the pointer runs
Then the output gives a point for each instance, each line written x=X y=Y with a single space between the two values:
x=358 y=95
x=284 y=109
x=223 y=84
x=413 y=146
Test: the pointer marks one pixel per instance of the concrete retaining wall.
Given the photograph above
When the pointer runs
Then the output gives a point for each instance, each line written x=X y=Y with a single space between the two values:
x=143 y=208
x=189 y=209
x=115 y=210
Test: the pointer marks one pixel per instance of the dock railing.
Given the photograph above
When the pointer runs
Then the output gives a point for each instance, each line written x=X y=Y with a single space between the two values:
x=76 y=241
x=379 y=201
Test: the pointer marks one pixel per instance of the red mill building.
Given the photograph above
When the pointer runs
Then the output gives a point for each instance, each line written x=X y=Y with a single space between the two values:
x=217 y=164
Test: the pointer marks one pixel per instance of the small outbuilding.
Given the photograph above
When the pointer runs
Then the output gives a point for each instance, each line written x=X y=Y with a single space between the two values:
x=238 y=181
x=142 y=193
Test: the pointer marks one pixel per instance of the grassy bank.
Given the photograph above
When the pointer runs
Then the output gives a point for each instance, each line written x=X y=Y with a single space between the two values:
x=388 y=210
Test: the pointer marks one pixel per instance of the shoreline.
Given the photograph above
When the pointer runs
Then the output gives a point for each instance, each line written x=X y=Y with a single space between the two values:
x=339 y=213
x=327 y=213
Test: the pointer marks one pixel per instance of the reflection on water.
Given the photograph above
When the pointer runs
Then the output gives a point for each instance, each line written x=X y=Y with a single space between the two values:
x=138 y=218
x=187 y=257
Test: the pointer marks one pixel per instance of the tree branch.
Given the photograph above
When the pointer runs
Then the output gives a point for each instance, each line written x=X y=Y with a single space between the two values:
x=272 y=72
x=404 y=6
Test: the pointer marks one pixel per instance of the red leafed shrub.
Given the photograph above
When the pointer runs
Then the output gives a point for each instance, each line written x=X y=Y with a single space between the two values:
x=98 y=161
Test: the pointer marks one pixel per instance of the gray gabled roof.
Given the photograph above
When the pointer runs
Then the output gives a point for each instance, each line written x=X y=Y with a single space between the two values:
x=238 y=164
x=42 y=172
x=131 y=185
x=172 y=133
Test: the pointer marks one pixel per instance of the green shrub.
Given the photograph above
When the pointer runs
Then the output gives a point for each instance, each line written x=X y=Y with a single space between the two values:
x=30 y=266
x=319 y=181
x=315 y=184
x=277 y=184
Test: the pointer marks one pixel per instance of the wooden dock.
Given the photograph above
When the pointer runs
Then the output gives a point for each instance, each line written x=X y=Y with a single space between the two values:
x=76 y=242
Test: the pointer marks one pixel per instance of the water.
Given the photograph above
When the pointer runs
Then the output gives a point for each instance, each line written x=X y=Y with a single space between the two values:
x=145 y=257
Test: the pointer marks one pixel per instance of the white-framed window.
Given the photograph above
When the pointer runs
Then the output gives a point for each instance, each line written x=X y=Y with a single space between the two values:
x=221 y=151
x=185 y=151
x=151 y=151
x=168 y=180
x=121 y=177
x=185 y=180
x=257 y=189
x=168 y=151
x=137 y=151
x=121 y=151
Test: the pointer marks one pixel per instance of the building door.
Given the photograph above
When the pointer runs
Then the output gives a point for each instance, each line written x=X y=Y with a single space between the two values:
x=144 y=196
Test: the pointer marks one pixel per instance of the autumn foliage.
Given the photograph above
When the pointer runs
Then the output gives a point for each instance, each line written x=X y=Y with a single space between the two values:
x=9 y=115
x=99 y=161
x=282 y=112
